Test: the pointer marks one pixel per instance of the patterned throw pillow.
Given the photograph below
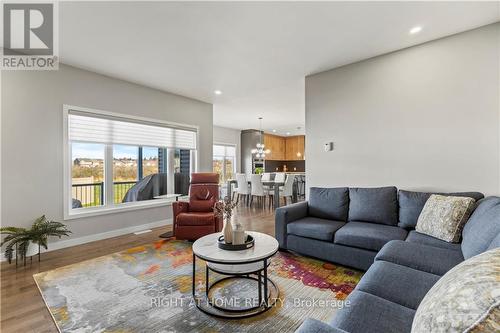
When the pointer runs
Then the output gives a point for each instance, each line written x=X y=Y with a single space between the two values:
x=466 y=299
x=444 y=217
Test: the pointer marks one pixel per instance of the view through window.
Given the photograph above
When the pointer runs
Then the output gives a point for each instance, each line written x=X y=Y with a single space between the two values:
x=224 y=162
x=125 y=170
x=87 y=174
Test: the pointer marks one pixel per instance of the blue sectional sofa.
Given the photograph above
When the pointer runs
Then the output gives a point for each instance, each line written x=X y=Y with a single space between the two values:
x=373 y=230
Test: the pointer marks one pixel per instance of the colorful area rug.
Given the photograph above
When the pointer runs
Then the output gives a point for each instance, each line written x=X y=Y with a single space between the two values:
x=148 y=289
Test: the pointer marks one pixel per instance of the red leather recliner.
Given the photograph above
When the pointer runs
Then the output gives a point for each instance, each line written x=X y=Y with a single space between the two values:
x=195 y=219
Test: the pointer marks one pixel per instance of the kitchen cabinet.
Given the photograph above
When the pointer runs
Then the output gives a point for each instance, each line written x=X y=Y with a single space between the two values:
x=276 y=144
x=289 y=148
x=294 y=148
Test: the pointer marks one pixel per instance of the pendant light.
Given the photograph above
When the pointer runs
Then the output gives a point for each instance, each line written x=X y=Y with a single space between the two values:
x=259 y=151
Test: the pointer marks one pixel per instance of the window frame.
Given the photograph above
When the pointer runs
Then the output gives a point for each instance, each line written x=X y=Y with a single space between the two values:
x=235 y=146
x=109 y=206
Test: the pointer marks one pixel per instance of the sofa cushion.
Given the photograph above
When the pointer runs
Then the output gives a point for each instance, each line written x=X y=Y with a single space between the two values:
x=344 y=255
x=417 y=237
x=370 y=313
x=444 y=217
x=411 y=205
x=313 y=227
x=482 y=227
x=329 y=203
x=376 y=205
x=494 y=243
x=425 y=258
x=368 y=236
x=399 y=284
x=466 y=299
x=195 y=218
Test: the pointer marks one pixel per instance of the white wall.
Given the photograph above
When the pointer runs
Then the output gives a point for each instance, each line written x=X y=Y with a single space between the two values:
x=32 y=140
x=426 y=118
x=224 y=135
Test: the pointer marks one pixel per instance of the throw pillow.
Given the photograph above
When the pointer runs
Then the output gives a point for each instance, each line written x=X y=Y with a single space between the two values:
x=466 y=299
x=444 y=217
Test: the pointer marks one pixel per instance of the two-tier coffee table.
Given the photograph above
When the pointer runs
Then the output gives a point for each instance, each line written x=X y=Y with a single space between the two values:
x=248 y=264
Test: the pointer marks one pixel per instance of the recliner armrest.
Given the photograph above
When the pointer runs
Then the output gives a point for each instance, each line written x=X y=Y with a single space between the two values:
x=177 y=208
x=180 y=207
x=316 y=326
x=285 y=215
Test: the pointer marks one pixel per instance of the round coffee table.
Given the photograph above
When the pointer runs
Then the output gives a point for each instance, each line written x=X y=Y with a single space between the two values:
x=250 y=264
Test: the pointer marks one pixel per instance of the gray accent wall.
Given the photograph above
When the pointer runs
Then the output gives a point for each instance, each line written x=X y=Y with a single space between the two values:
x=425 y=118
x=32 y=140
x=249 y=140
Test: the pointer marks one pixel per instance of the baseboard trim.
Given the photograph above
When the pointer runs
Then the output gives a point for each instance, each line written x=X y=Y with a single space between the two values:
x=100 y=236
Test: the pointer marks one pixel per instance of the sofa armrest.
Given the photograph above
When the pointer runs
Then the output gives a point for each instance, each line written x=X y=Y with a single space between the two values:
x=316 y=326
x=285 y=215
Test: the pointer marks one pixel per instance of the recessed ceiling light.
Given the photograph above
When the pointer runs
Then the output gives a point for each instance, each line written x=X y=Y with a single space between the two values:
x=415 y=30
x=217 y=92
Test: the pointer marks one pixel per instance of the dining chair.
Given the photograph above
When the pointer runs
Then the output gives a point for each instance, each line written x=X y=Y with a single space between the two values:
x=279 y=177
x=243 y=189
x=257 y=190
x=234 y=190
x=301 y=186
x=266 y=177
x=287 y=190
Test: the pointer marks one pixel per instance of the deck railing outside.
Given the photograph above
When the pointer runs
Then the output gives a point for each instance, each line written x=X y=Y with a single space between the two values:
x=92 y=194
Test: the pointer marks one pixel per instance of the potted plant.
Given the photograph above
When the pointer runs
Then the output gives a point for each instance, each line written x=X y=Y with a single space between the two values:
x=25 y=240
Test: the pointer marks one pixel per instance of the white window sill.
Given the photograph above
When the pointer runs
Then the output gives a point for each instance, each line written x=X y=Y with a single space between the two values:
x=117 y=208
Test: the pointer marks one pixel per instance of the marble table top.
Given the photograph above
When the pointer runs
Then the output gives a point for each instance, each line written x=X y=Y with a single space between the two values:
x=206 y=248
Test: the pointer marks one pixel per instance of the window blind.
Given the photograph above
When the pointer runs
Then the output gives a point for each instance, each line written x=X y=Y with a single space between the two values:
x=221 y=150
x=90 y=127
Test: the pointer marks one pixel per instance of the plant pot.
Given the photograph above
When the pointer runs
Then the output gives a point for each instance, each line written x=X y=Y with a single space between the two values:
x=32 y=249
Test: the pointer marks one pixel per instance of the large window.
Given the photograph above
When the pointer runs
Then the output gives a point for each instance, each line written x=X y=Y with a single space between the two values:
x=117 y=161
x=224 y=162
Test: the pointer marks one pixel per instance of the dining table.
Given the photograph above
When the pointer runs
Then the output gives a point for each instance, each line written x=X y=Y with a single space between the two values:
x=270 y=183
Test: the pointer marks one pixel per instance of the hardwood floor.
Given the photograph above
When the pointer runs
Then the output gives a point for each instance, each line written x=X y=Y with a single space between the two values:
x=22 y=307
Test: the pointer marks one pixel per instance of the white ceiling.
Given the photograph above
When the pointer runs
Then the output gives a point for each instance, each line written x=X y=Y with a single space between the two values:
x=256 y=53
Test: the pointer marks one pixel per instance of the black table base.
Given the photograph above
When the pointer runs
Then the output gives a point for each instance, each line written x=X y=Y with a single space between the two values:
x=268 y=292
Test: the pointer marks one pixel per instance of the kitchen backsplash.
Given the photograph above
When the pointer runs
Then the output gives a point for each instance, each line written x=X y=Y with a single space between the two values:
x=291 y=166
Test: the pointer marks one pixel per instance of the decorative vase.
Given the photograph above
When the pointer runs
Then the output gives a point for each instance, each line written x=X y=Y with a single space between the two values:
x=239 y=236
x=228 y=232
